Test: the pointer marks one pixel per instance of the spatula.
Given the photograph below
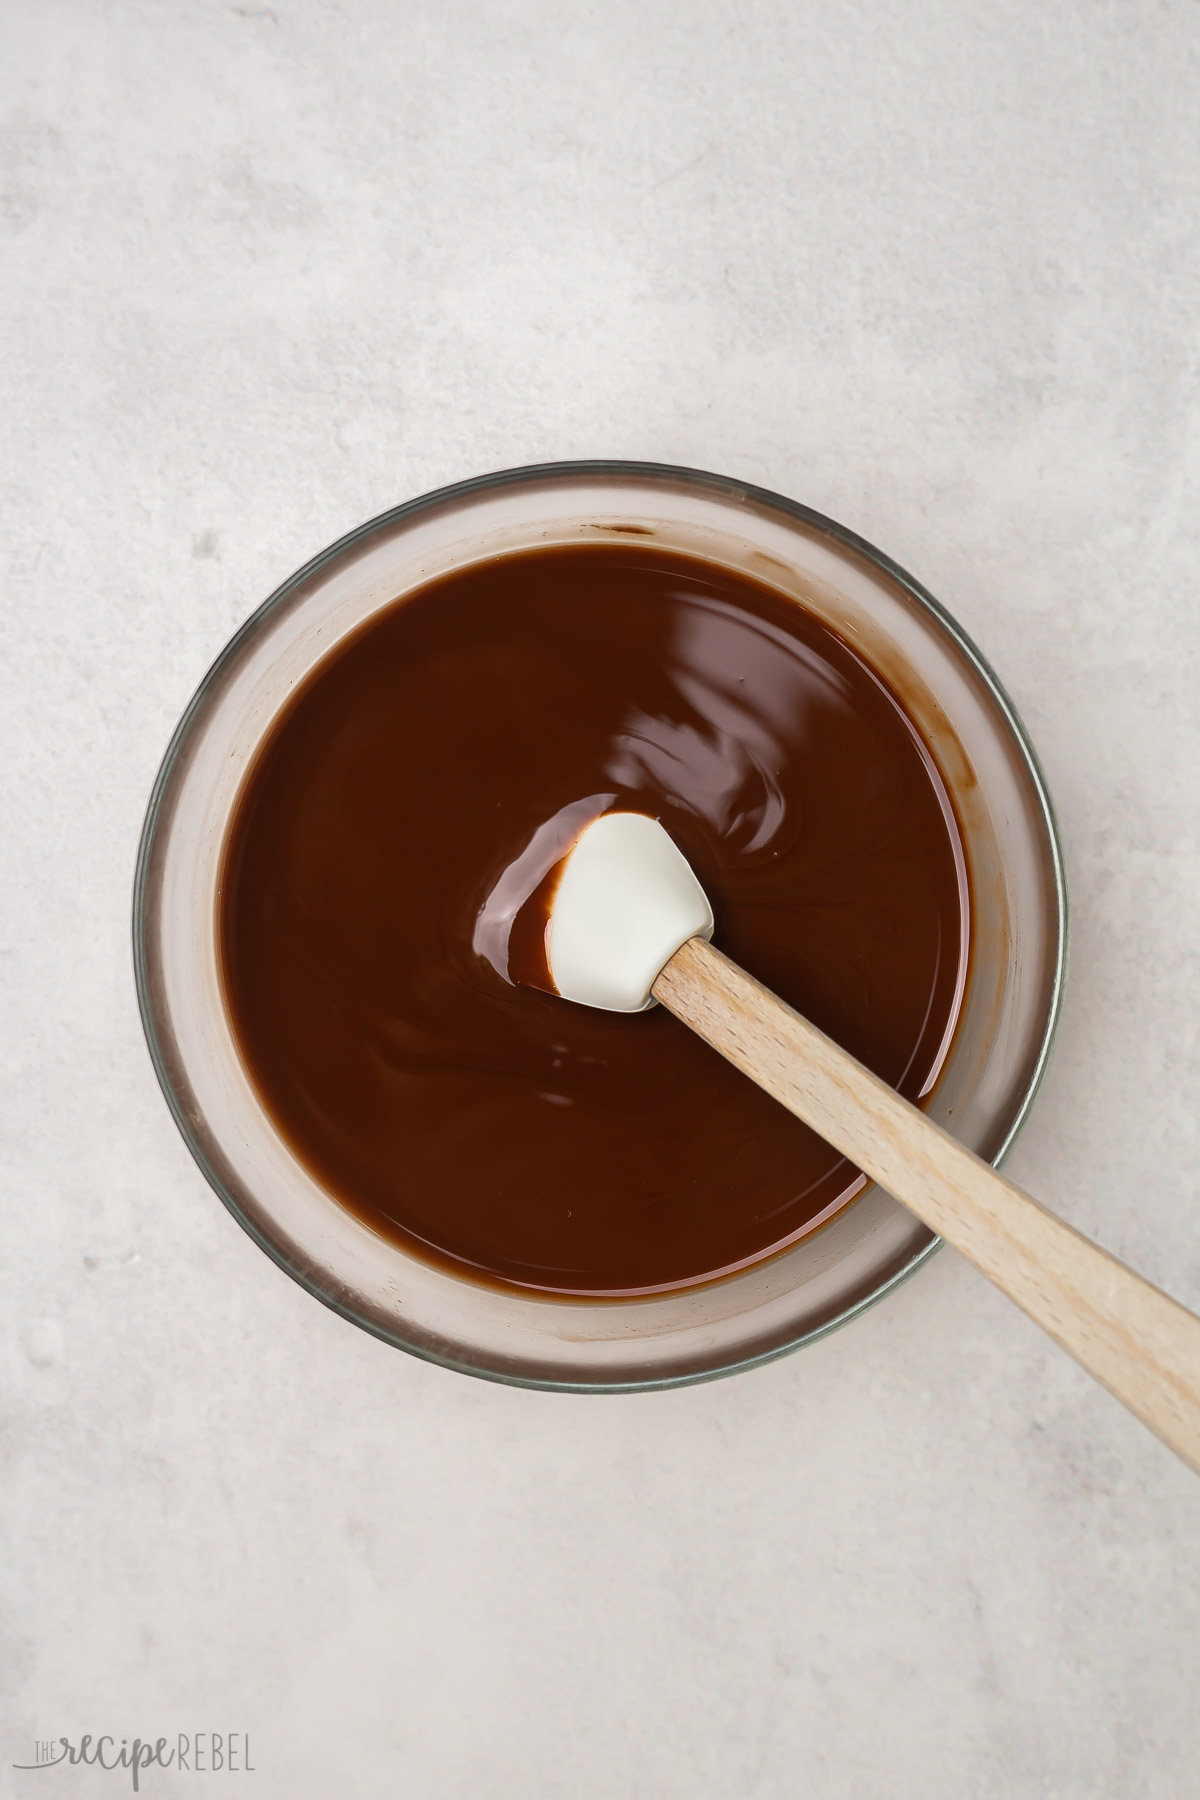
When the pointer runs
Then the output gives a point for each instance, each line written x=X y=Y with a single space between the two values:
x=630 y=925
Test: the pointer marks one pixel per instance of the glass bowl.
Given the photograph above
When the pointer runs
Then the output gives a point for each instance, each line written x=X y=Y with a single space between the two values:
x=1014 y=981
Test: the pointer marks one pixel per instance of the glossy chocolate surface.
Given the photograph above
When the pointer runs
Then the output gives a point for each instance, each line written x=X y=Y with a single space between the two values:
x=418 y=792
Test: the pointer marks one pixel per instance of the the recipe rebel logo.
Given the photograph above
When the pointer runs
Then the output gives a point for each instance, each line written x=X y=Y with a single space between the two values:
x=196 y=1753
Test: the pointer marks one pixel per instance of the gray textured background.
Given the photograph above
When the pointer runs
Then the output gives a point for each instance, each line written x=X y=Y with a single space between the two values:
x=268 y=269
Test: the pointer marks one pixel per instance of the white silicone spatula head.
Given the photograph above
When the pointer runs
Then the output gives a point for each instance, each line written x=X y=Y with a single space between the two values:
x=627 y=899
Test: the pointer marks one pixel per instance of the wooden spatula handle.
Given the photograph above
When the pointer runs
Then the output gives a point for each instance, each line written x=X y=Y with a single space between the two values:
x=1143 y=1346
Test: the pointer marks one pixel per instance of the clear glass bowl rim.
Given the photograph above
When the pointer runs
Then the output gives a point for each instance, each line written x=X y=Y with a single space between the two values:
x=728 y=488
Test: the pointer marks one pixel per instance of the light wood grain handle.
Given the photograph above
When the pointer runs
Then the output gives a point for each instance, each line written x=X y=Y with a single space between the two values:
x=1143 y=1346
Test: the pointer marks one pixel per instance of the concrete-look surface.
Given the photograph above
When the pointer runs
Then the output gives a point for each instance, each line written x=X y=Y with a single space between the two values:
x=269 y=269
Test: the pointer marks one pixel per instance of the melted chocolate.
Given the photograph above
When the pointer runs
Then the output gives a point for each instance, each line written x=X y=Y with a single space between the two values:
x=421 y=787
